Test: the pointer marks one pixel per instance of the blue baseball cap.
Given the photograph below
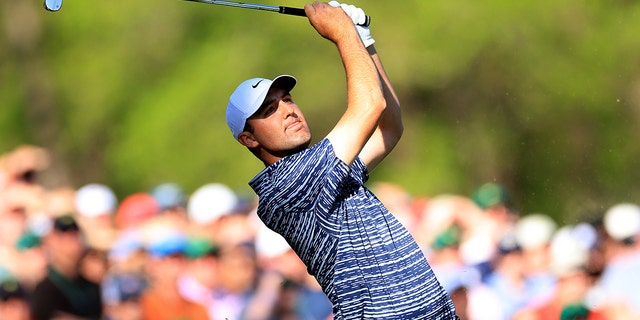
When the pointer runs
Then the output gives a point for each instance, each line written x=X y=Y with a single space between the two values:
x=173 y=243
x=169 y=195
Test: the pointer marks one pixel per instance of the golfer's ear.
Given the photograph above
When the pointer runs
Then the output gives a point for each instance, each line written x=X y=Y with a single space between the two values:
x=246 y=139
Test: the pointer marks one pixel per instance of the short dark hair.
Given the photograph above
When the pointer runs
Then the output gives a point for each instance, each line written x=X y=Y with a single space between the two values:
x=247 y=127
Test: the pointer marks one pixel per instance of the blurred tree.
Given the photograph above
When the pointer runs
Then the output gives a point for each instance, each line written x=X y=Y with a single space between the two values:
x=543 y=97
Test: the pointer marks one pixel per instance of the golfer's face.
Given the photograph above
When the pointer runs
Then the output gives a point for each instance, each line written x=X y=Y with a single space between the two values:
x=279 y=125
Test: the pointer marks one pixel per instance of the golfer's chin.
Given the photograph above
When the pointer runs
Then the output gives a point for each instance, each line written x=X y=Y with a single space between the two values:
x=301 y=143
x=298 y=138
x=296 y=145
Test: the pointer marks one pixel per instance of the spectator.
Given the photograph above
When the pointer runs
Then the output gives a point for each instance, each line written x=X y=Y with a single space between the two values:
x=65 y=292
x=496 y=202
x=172 y=203
x=212 y=211
x=436 y=216
x=121 y=296
x=126 y=279
x=507 y=280
x=238 y=275
x=446 y=260
x=569 y=253
x=473 y=299
x=95 y=205
x=16 y=203
x=93 y=265
x=135 y=210
x=22 y=164
x=620 y=279
x=162 y=299
x=484 y=232
x=33 y=261
x=13 y=301
x=533 y=233
x=285 y=290
x=200 y=277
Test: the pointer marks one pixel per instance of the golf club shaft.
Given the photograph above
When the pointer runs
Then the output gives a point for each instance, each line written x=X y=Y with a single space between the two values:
x=279 y=9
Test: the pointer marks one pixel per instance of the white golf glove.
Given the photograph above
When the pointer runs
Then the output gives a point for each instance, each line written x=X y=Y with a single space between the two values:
x=358 y=17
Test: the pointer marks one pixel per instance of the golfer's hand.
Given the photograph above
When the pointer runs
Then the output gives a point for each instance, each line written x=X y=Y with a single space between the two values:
x=358 y=17
x=331 y=22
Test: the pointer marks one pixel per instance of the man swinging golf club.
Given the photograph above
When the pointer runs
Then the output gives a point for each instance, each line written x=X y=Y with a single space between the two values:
x=314 y=196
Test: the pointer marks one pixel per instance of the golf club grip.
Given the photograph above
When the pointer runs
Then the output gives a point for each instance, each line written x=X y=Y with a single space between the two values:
x=300 y=12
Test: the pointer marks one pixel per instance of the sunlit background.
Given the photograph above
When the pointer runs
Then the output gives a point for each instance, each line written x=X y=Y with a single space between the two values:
x=540 y=96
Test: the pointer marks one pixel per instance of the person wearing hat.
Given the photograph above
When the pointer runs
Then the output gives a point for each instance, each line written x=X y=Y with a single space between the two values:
x=620 y=278
x=64 y=292
x=32 y=261
x=200 y=277
x=569 y=250
x=14 y=303
x=162 y=299
x=507 y=279
x=367 y=263
x=172 y=202
x=495 y=200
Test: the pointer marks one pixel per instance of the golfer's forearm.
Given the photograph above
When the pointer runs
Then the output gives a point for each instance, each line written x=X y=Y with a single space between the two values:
x=391 y=121
x=363 y=83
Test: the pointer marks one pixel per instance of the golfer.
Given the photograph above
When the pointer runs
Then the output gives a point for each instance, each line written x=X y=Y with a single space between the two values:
x=314 y=196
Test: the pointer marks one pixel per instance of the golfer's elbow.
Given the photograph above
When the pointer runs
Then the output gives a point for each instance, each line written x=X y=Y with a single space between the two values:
x=391 y=124
x=378 y=107
x=378 y=103
x=395 y=134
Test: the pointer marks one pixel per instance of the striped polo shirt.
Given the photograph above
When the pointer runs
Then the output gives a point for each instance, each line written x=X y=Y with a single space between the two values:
x=367 y=263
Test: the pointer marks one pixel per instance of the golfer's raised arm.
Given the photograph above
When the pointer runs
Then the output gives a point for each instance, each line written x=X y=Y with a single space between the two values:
x=390 y=127
x=365 y=102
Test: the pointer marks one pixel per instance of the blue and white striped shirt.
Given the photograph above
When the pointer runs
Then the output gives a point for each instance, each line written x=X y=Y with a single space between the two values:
x=365 y=260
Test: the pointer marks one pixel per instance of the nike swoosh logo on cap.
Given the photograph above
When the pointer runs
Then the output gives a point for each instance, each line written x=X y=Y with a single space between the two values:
x=256 y=85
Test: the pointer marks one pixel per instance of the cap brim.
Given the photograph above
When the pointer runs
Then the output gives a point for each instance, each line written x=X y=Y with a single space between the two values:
x=286 y=82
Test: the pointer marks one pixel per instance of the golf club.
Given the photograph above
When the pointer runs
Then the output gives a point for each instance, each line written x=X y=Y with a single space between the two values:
x=278 y=9
x=55 y=5
x=52 y=5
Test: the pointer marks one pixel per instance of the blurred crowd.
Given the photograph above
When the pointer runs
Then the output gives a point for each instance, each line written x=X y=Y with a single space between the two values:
x=79 y=252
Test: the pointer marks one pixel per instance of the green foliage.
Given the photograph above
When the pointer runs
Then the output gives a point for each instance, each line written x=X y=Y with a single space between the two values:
x=541 y=96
